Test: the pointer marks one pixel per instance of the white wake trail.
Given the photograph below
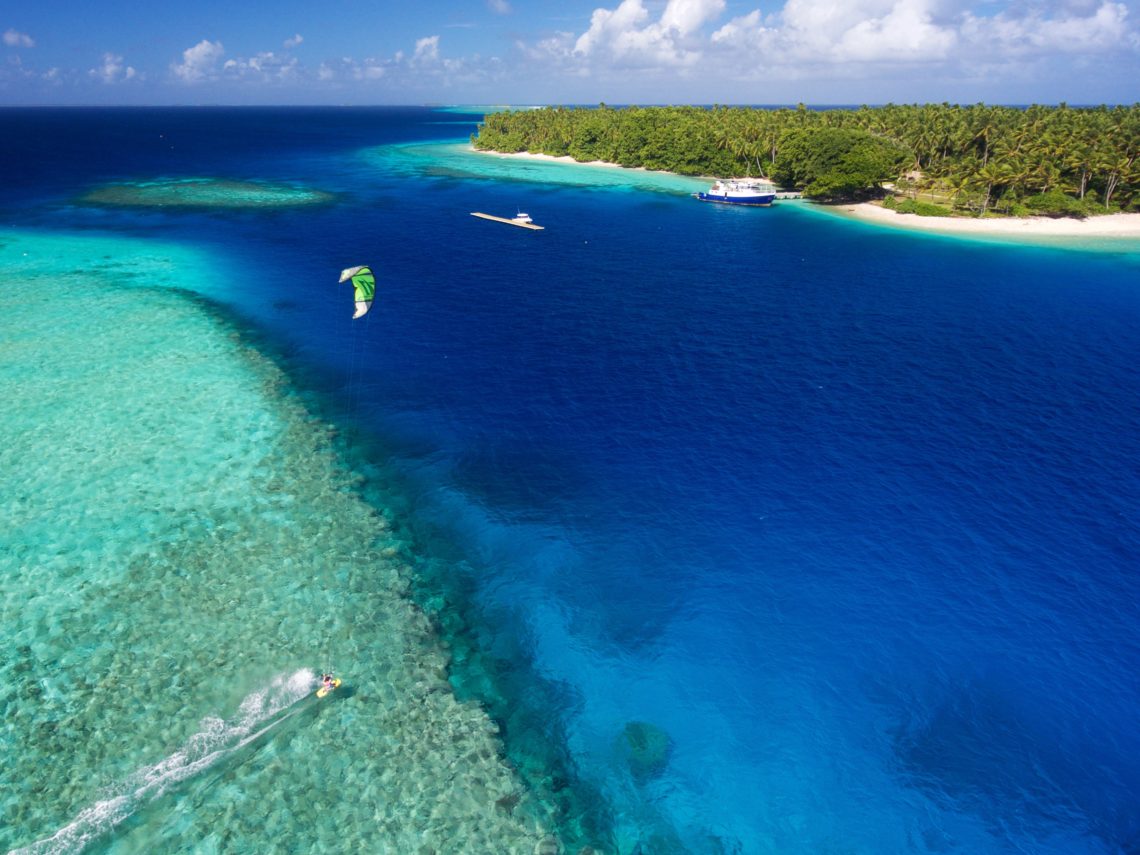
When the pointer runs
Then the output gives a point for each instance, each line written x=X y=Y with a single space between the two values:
x=260 y=712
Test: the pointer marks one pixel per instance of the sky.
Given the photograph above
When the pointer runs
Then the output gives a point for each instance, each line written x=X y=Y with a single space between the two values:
x=522 y=52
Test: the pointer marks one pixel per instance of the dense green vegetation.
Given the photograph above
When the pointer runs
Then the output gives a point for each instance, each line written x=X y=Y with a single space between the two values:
x=837 y=163
x=1059 y=161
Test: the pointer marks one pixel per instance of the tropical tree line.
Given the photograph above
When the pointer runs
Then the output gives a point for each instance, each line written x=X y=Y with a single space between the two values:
x=1037 y=159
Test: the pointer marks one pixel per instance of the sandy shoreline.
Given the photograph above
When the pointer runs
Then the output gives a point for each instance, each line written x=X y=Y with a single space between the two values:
x=1107 y=226
x=529 y=155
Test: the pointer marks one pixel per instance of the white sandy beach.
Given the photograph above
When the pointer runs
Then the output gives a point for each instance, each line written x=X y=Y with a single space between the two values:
x=529 y=155
x=1108 y=226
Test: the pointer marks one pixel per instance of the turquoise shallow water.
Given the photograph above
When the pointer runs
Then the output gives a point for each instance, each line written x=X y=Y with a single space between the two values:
x=460 y=160
x=181 y=552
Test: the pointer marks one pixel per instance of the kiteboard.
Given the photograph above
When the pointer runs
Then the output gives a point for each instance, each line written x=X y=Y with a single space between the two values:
x=324 y=690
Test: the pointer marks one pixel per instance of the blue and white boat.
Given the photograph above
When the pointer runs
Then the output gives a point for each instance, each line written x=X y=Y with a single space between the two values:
x=740 y=191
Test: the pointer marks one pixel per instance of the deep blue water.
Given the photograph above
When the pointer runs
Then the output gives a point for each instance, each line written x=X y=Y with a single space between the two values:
x=849 y=515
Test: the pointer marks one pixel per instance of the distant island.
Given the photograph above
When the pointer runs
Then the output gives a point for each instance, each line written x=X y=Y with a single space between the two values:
x=930 y=159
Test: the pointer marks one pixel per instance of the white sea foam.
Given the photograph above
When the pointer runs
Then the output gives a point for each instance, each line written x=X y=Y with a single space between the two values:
x=260 y=711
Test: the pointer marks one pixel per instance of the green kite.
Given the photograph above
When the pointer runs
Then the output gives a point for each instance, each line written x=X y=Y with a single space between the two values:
x=365 y=285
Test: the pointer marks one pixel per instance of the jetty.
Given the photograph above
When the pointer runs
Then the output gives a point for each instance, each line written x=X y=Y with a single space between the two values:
x=520 y=219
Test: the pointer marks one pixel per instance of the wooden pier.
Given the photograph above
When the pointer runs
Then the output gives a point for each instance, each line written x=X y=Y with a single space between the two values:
x=513 y=221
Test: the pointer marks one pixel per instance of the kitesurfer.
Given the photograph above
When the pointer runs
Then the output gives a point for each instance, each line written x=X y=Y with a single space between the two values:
x=364 y=284
x=327 y=682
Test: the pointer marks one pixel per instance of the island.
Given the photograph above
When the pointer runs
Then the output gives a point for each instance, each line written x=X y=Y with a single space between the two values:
x=931 y=160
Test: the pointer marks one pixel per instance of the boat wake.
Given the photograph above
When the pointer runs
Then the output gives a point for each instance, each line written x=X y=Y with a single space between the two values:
x=260 y=712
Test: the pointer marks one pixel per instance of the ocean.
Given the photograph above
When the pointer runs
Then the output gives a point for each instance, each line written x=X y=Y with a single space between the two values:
x=670 y=528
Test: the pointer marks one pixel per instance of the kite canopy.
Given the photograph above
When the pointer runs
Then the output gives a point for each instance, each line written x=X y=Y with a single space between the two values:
x=364 y=284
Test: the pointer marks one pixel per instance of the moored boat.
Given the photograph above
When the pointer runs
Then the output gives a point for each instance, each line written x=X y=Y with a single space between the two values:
x=740 y=191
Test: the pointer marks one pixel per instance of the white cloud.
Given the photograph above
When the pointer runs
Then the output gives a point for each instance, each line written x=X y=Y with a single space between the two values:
x=199 y=62
x=13 y=38
x=350 y=68
x=626 y=36
x=744 y=32
x=904 y=32
x=647 y=50
x=425 y=69
x=264 y=66
x=370 y=71
x=1105 y=28
x=113 y=70
x=821 y=33
x=557 y=47
x=608 y=26
x=419 y=69
x=687 y=16
x=427 y=50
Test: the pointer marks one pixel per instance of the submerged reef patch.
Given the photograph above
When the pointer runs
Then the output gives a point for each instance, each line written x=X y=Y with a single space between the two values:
x=204 y=193
x=647 y=748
